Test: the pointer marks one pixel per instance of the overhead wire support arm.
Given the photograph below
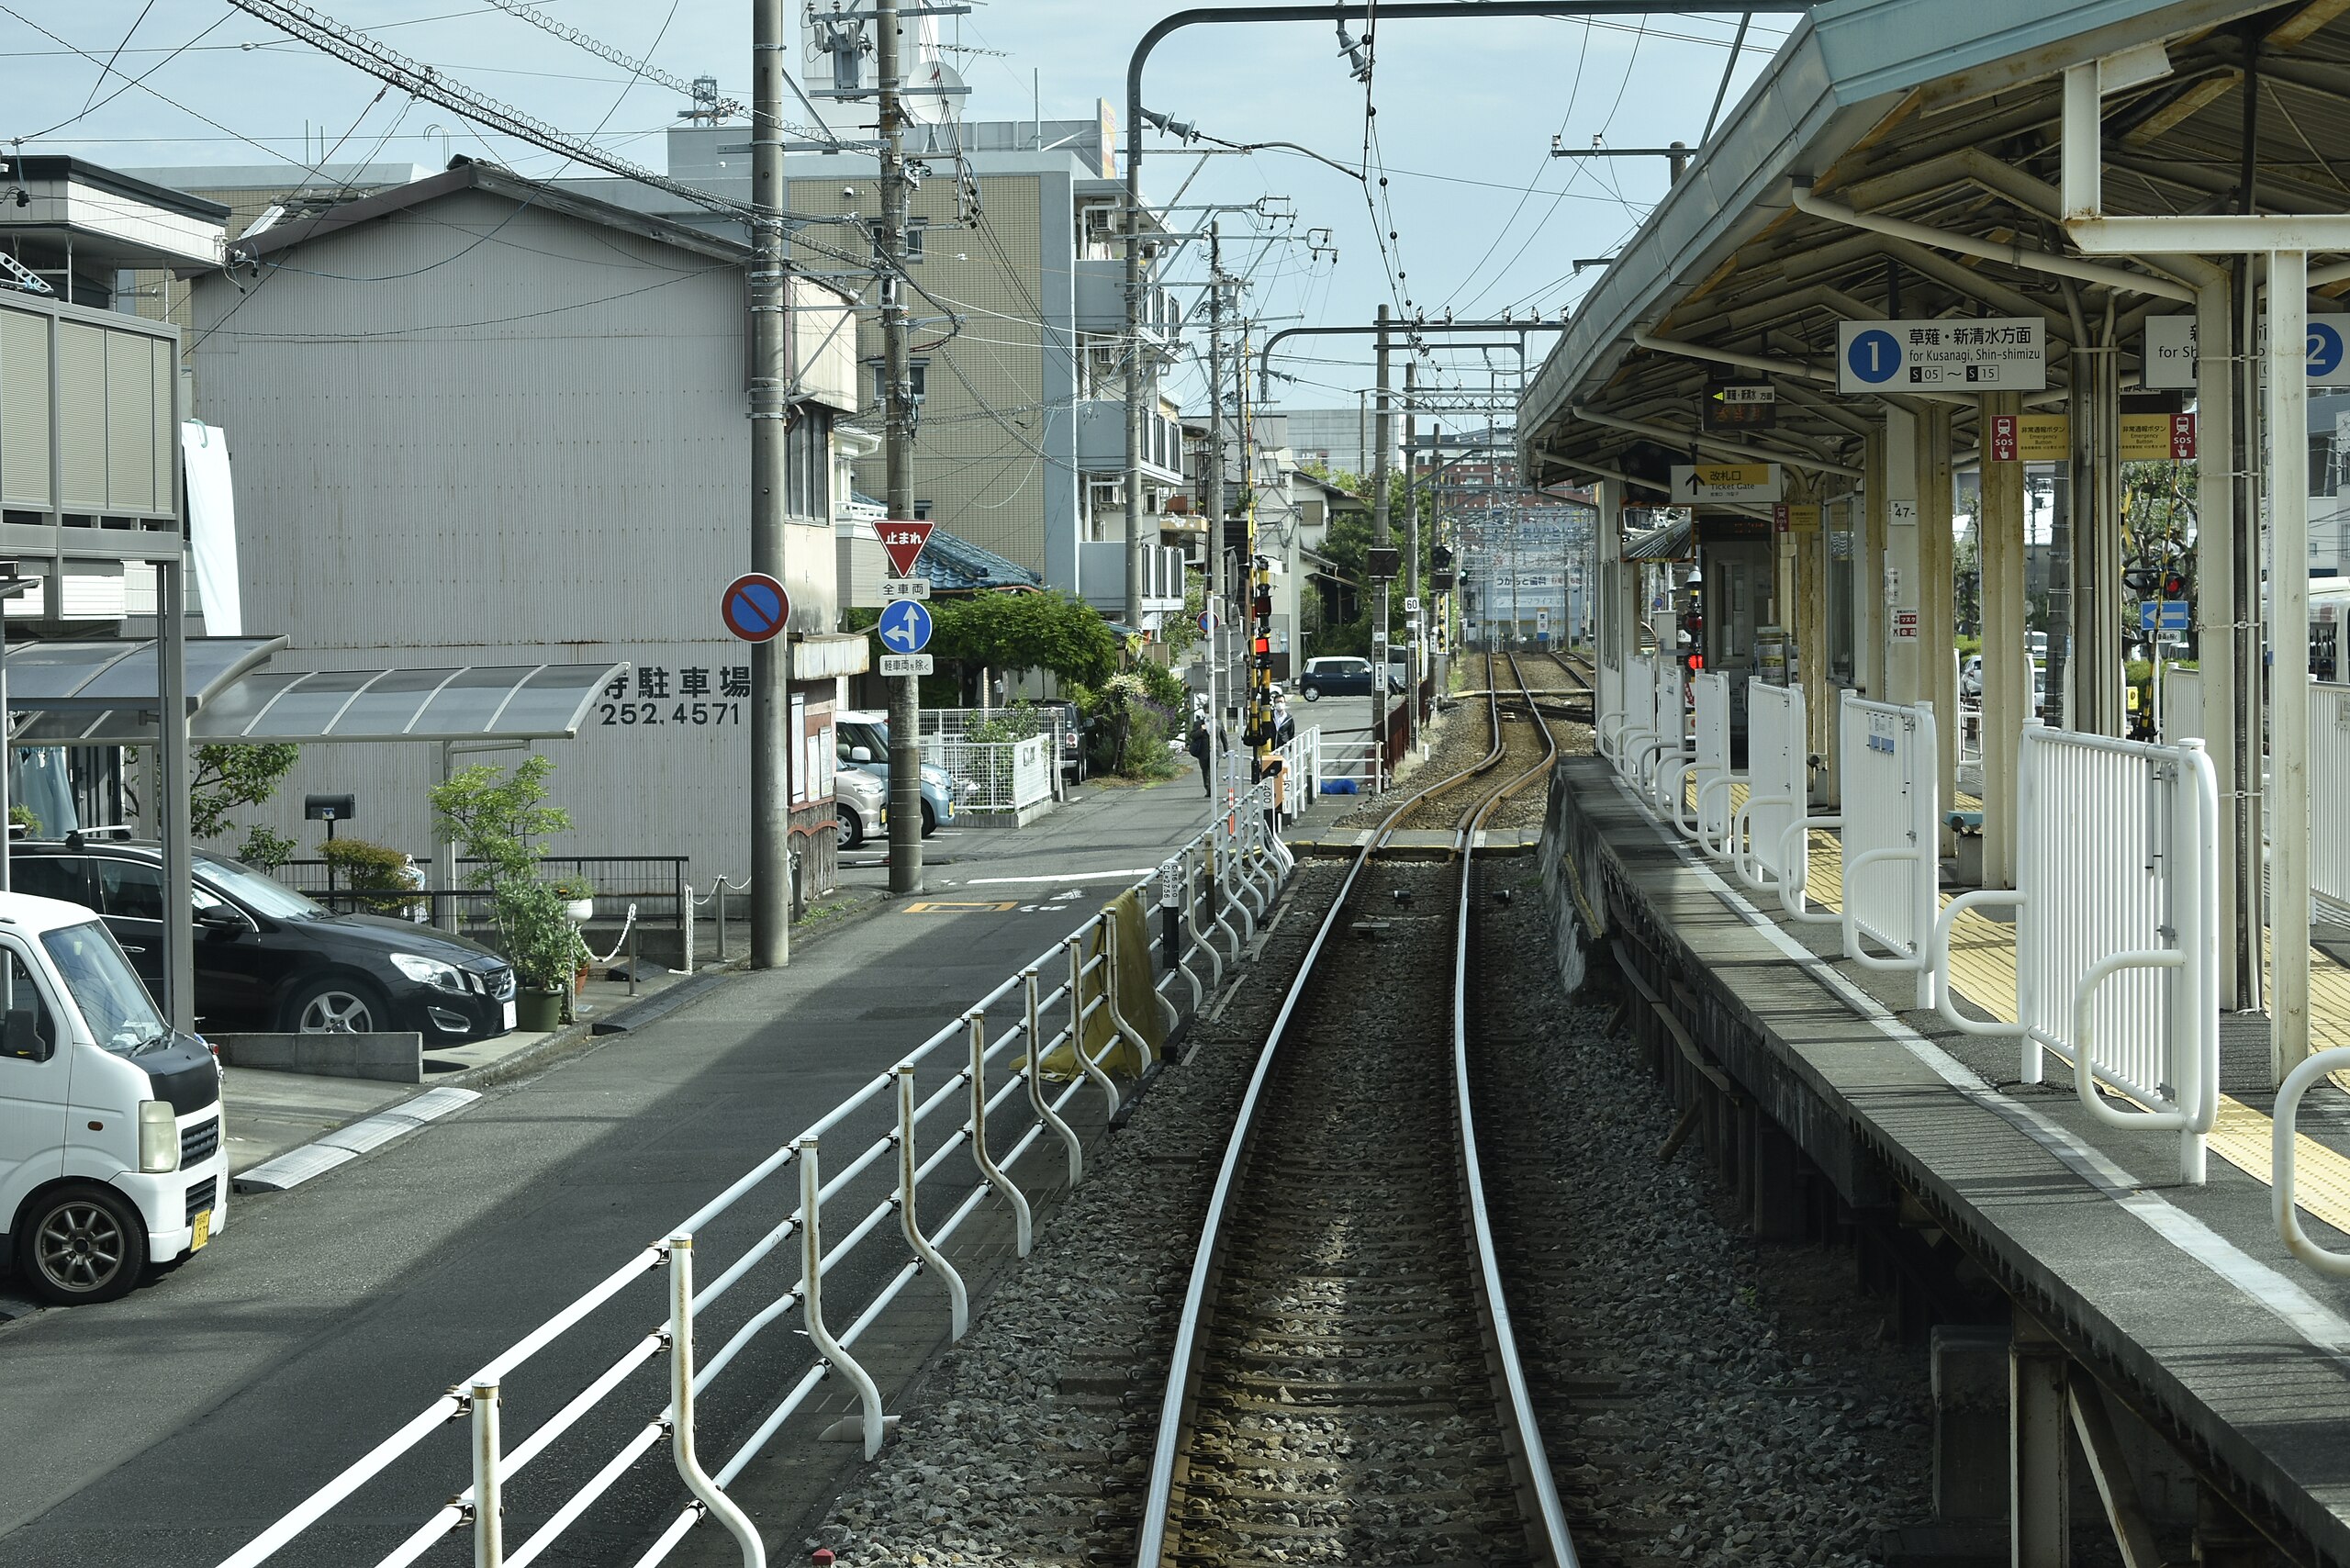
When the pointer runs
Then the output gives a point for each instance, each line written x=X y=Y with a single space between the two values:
x=1405 y=329
x=1204 y=16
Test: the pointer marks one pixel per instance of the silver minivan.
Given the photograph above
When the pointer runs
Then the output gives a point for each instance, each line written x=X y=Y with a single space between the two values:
x=860 y=805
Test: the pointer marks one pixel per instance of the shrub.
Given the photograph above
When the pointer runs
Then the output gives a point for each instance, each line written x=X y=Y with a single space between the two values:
x=375 y=869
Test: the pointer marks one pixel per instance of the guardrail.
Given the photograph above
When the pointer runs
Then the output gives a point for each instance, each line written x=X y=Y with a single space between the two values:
x=1639 y=730
x=1607 y=709
x=1709 y=771
x=2117 y=929
x=1668 y=732
x=1212 y=894
x=2281 y=1149
x=1765 y=849
x=1892 y=822
x=2329 y=763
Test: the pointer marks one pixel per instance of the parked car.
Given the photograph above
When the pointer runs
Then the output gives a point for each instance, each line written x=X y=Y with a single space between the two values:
x=860 y=805
x=269 y=959
x=862 y=738
x=1970 y=676
x=1341 y=676
x=111 y=1158
x=1075 y=728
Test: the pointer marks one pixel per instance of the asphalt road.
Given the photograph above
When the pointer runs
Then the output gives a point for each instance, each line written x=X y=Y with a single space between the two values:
x=171 y=1427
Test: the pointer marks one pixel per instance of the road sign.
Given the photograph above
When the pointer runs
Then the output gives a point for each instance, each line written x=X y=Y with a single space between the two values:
x=1724 y=482
x=905 y=664
x=1410 y=604
x=904 y=627
x=2163 y=615
x=1207 y=620
x=2003 y=354
x=904 y=587
x=904 y=541
x=755 y=607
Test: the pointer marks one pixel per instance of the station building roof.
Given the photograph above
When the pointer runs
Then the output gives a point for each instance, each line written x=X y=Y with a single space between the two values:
x=1945 y=115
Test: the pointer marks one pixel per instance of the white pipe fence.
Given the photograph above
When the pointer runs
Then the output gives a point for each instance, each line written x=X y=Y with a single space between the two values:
x=2329 y=782
x=2117 y=929
x=1608 y=712
x=2180 y=702
x=1766 y=848
x=1709 y=771
x=994 y=776
x=1212 y=895
x=1892 y=822
x=2282 y=1149
x=1634 y=740
x=1668 y=736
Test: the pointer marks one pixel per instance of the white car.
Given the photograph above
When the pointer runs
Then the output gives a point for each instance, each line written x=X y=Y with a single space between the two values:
x=860 y=805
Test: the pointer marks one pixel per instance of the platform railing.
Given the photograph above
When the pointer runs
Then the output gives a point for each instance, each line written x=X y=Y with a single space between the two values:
x=2283 y=1146
x=1669 y=738
x=980 y=1089
x=1892 y=795
x=2180 y=701
x=1607 y=713
x=1702 y=806
x=1633 y=747
x=2329 y=763
x=1765 y=849
x=2116 y=929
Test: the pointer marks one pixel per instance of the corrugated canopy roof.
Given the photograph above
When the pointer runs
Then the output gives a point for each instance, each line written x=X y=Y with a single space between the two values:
x=104 y=693
x=1945 y=115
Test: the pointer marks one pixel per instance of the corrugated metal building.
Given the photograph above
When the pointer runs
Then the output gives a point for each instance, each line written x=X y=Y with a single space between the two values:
x=500 y=422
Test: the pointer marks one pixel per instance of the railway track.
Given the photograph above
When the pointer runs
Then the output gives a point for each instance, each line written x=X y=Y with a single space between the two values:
x=1345 y=1385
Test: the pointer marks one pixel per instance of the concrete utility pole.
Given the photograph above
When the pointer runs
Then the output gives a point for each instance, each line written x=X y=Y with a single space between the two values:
x=1382 y=431
x=771 y=745
x=1217 y=612
x=905 y=699
x=1414 y=618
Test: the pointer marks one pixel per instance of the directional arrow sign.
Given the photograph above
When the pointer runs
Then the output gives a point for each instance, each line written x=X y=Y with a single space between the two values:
x=904 y=541
x=1724 y=482
x=904 y=627
x=2168 y=615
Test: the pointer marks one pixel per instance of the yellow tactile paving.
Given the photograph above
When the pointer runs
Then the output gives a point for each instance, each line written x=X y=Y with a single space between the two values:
x=1983 y=969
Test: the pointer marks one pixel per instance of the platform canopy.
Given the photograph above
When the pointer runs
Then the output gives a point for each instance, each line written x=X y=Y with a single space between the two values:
x=104 y=693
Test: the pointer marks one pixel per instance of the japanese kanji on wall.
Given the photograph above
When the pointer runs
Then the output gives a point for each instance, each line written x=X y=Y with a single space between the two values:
x=655 y=693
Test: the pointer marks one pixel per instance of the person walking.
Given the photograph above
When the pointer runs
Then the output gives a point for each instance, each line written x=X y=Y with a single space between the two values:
x=1199 y=750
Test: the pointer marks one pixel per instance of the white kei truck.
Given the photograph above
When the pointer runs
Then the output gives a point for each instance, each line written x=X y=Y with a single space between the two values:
x=111 y=1156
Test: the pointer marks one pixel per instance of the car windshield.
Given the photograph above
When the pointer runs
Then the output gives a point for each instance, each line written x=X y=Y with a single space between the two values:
x=113 y=1003
x=258 y=892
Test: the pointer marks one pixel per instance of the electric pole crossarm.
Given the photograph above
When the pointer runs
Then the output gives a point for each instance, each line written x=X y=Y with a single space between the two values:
x=1408 y=329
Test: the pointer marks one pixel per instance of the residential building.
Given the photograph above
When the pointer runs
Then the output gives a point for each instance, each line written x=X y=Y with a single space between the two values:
x=486 y=420
x=1344 y=440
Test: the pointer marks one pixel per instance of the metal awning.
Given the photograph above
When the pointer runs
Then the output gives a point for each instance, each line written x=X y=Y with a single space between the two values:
x=102 y=693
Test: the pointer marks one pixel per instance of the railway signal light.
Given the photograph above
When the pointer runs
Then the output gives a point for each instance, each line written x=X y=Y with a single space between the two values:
x=2174 y=585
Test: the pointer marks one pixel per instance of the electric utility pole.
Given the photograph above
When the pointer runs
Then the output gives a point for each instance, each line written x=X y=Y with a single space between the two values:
x=1217 y=612
x=771 y=746
x=1383 y=555
x=1414 y=614
x=905 y=700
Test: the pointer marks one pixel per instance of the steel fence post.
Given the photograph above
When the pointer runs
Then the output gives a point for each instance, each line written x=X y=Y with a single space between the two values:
x=1195 y=891
x=1010 y=1193
x=719 y=893
x=1044 y=1112
x=812 y=1296
x=489 y=1529
x=683 y=891
x=686 y=941
x=958 y=1297
x=681 y=1407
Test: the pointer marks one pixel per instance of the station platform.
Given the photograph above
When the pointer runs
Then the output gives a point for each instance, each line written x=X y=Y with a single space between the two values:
x=2179 y=1302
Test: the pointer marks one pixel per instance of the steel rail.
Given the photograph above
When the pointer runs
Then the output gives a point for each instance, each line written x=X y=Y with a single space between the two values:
x=1545 y=1518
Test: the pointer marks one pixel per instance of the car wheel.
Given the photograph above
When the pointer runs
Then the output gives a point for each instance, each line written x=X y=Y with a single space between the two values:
x=336 y=1007
x=80 y=1244
x=848 y=827
x=1313 y=693
x=929 y=820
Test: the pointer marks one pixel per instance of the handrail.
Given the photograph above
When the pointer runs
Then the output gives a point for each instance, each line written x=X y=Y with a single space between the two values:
x=1244 y=866
x=2322 y=1064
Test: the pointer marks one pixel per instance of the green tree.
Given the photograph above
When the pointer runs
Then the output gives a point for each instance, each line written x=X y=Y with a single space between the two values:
x=497 y=819
x=229 y=777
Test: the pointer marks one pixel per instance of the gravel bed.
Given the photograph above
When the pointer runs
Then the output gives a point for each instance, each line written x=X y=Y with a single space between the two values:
x=1762 y=1412
x=1044 y=1416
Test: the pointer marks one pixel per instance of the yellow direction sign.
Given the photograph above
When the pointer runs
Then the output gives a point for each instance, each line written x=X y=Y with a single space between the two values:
x=1724 y=482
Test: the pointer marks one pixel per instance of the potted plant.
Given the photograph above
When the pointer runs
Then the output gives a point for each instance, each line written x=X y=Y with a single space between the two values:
x=544 y=946
x=578 y=895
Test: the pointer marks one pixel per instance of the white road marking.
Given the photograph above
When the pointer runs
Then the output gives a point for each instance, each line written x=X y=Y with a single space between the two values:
x=1064 y=876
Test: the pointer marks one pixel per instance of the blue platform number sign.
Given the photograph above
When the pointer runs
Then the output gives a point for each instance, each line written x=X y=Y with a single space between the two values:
x=1874 y=356
x=905 y=626
x=2324 y=350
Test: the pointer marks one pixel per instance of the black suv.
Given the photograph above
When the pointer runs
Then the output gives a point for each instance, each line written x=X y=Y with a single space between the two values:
x=269 y=960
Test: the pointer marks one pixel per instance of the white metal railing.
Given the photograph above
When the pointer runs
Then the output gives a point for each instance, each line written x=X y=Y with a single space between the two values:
x=2283 y=1146
x=978 y=1085
x=1892 y=822
x=1668 y=735
x=2328 y=781
x=1970 y=729
x=2116 y=928
x=1355 y=759
x=1701 y=808
x=1766 y=848
x=1607 y=713
x=1633 y=741
x=993 y=776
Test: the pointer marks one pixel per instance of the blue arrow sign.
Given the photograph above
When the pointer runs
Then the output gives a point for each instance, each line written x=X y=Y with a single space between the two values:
x=905 y=626
x=2168 y=615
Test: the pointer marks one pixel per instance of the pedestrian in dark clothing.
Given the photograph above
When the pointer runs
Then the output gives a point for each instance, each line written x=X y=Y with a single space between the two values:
x=1199 y=748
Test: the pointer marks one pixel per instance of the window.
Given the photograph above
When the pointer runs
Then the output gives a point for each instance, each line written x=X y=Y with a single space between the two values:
x=18 y=989
x=922 y=512
x=917 y=230
x=61 y=877
x=917 y=382
x=114 y=1005
x=808 y=462
x=128 y=890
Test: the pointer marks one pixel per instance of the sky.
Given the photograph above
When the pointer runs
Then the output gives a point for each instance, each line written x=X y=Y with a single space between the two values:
x=1462 y=208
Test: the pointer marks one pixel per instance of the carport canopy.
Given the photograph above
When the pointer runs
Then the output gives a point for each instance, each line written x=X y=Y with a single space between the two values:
x=104 y=693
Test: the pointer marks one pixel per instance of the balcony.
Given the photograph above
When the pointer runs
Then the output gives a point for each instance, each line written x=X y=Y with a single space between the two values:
x=1102 y=302
x=1101 y=442
x=1102 y=579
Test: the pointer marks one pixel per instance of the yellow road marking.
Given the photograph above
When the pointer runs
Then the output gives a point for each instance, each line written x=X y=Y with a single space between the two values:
x=947 y=906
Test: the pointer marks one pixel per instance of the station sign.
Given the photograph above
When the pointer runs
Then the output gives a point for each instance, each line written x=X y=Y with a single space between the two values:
x=1695 y=482
x=904 y=587
x=2168 y=350
x=1740 y=405
x=1996 y=353
x=905 y=664
x=1791 y=519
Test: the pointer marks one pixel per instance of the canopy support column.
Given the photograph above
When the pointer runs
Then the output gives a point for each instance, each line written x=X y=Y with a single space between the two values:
x=2215 y=402
x=2094 y=702
x=2289 y=684
x=2006 y=659
x=1869 y=581
x=1935 y=597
